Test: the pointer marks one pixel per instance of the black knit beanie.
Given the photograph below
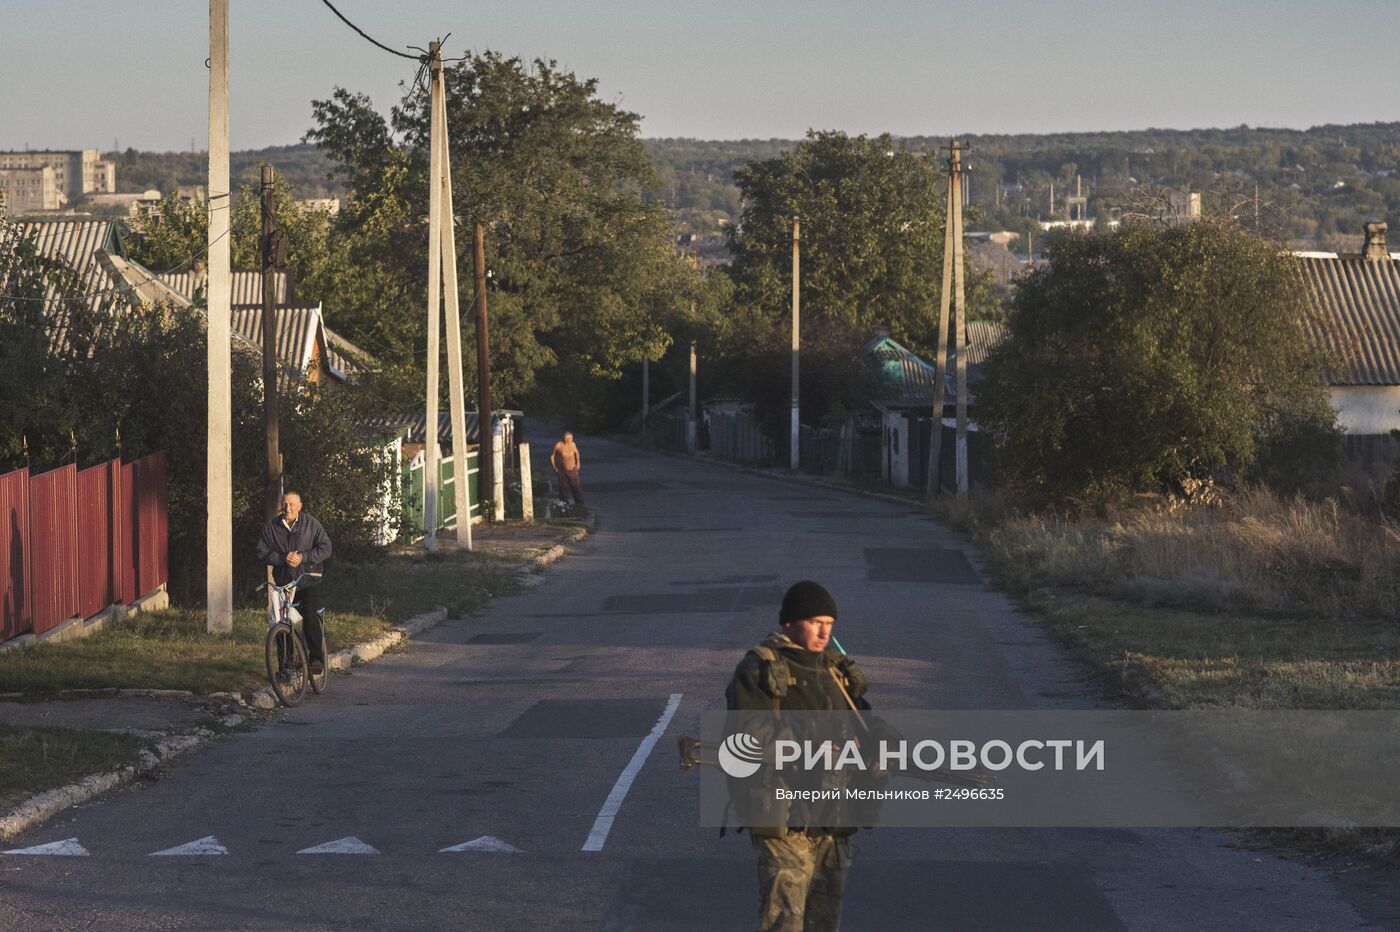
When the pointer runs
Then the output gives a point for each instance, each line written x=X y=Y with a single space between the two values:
x=806 y=599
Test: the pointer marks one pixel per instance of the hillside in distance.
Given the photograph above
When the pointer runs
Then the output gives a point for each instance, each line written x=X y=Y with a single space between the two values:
x=1315 y=187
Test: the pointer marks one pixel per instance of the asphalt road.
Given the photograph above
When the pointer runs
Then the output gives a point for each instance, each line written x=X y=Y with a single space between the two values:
x=514 y=728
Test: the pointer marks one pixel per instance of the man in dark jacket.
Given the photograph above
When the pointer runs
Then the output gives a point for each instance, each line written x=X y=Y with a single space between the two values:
x=801 y=871
x=291 y=544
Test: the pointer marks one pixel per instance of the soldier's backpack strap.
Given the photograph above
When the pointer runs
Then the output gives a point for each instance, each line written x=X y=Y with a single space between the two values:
x=776 y=676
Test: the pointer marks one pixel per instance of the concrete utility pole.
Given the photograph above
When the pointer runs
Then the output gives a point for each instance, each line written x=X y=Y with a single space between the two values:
x=431 y=474
x=485 y=459
x=272 y=496
x=461 y=482
x=219 y=469
x=646 y=391
x=692 y=418
x=959 y=319
x=794 y=459
x=950 y=294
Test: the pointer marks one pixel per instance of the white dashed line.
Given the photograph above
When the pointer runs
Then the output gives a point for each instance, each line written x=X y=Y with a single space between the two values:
x=347 y=845
x=68 y=848
x=485 y=843
x=603 y=824
x=203 y=846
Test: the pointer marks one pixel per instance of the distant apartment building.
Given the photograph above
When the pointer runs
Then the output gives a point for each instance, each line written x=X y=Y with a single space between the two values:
x=75 y=172
x=30 y=190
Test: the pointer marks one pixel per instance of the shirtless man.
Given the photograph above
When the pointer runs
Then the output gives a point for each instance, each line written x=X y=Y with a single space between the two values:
x=566 y=462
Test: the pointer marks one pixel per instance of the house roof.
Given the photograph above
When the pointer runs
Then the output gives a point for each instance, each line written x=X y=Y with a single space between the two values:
x=296 y=336
x=907 y=379
x=1357 y=320
x=246 y=285
x=414 y=424
x=76 y=244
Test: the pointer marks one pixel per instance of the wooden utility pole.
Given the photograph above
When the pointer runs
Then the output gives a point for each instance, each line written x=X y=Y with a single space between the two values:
x=485 y=458
x=431 y=474
x=272 y=496
x=951 y=294
x=794 y=458
x=219 y=462
x=461 y=482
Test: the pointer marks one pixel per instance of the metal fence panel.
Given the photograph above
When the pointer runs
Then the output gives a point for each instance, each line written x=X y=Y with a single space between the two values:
x=16 y=603
x=95 y=561
x=128 y=548
x=53 y=539
x=149 y=508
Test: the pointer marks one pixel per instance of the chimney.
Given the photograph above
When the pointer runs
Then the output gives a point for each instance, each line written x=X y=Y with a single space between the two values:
x=1375 y=241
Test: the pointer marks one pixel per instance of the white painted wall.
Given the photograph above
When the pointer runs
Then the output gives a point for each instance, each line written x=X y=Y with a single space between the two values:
x=1367 y=409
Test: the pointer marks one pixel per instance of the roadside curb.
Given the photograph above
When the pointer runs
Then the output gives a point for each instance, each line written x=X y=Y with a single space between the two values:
x=45 y=805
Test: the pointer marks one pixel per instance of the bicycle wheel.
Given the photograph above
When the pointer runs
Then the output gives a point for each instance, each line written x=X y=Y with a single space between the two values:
x=286 y=664
x=320 y=680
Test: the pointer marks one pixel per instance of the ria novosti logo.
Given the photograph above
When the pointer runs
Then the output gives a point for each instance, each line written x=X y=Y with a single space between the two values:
x=740 y=755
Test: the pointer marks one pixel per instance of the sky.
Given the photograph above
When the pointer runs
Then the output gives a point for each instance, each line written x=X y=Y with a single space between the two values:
x=94 y=73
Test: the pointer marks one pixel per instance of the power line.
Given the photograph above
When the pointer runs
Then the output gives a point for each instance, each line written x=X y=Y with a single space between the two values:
x=370 y=38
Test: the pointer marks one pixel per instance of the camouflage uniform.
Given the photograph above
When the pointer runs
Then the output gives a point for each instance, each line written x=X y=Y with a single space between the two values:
x=801 y=871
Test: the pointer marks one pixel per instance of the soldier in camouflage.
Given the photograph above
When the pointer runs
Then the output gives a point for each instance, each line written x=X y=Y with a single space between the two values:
x=801 y=871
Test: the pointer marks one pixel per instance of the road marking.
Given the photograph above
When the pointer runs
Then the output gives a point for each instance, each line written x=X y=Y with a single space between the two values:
x=347 y=845
x=484 y=843
x=603 y=824
x=206 y=845
x=68 y=848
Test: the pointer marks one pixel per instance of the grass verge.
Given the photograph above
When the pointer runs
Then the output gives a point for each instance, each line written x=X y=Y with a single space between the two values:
x=172 y=650
x=37 y=758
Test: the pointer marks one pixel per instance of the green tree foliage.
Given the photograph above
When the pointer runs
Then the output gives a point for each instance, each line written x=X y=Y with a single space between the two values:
x=1134 y=361
x=583 y=270
x=872 y=235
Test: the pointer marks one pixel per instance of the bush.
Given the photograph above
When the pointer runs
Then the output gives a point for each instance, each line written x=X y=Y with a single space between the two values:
x=1138 y=360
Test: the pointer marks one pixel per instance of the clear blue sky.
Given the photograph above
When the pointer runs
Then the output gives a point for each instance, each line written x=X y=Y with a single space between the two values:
x=78 y=73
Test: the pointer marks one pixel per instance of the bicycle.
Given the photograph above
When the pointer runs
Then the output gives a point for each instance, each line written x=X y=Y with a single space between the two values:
x=285 y=648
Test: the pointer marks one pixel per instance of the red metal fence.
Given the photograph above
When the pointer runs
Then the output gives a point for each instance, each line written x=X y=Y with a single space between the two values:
x=75 y=542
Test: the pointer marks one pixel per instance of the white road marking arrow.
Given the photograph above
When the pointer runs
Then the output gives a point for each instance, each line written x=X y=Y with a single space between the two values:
x=347 y=845
x=68 y=848
x=484 y=843
x=206 y=845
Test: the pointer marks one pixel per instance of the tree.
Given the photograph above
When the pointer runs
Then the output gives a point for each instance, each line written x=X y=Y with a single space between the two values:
x=1133 y=361
x=872 y=235
x=583 y=267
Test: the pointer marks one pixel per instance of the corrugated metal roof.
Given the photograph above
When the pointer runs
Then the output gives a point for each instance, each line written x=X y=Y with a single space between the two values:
x=416 y=425
x=246 y=284
x=908 y=380
x=75 y=243
x=297 y=331
x=1357 y=320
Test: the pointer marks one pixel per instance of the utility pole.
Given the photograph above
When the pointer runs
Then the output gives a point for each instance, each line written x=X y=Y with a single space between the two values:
x=794 y=458
x=959 y=318
x=951 y=294
x=646 y=391
x=461 y=484
x=219 y=463
x=273 y=493
x=933 y=485
x=692 y=420
x=431 y=474
x=485 y=460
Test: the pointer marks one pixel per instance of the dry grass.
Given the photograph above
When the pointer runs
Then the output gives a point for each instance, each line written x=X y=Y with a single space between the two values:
x=1255 y=553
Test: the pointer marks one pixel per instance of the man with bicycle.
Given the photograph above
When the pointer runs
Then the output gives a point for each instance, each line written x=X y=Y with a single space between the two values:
x=292 y=544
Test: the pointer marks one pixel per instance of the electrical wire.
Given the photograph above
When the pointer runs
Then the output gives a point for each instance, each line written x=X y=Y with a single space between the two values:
x=371 y=39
